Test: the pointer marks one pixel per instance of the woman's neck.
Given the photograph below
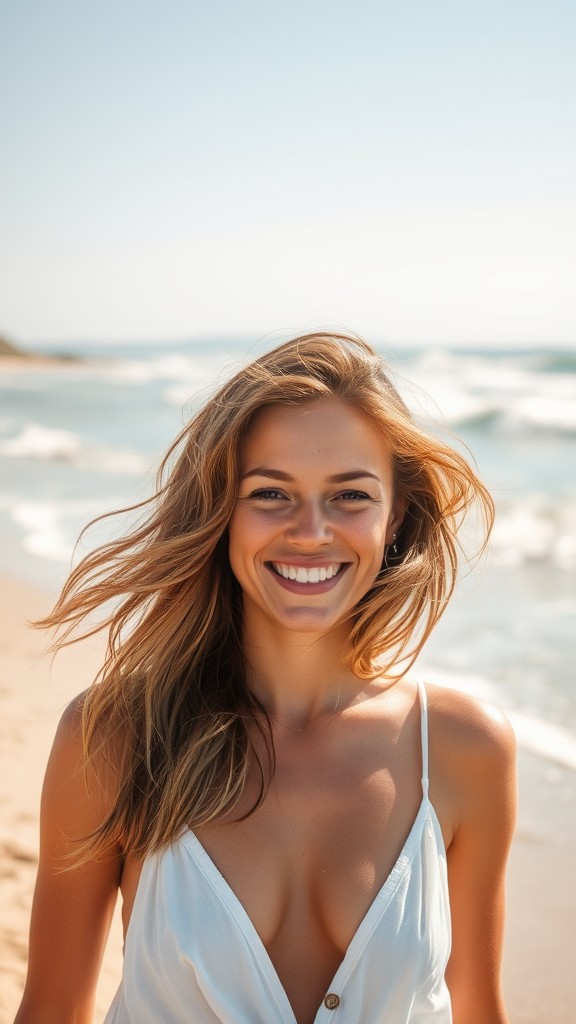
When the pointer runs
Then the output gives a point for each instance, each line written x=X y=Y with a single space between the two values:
x=298 y=677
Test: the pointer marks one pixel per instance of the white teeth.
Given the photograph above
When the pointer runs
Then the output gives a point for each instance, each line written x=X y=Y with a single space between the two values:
x=316 y=574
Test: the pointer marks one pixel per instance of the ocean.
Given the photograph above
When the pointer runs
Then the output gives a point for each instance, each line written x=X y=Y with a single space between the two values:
x=83 y=437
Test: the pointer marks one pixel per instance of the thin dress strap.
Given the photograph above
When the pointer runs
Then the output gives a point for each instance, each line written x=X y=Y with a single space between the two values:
x=424 y=734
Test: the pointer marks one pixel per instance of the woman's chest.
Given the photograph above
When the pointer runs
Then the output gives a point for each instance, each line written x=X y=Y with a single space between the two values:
x=312 y=858
x=310 y=855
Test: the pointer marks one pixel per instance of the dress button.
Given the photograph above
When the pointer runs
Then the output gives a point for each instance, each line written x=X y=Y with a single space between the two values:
x=332 y=1001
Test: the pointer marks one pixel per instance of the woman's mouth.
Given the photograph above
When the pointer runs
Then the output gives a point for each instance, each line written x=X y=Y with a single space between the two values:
x=307 y=574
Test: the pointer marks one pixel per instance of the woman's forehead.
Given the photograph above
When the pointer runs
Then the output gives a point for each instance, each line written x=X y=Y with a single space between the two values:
x=327 y=428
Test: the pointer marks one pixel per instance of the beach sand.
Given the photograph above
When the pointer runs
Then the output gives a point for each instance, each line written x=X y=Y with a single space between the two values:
x=539 y=966
x=34 y=690
x=23 y=364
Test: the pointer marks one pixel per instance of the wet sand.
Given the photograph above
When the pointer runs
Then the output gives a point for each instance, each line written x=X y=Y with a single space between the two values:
x=539 y=966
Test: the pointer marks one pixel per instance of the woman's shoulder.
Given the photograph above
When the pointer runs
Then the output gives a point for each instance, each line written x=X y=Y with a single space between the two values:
x=472 y=767
x=74 y=777
x=468 y=734
x=70 y=723
x=68 y=741
x=87 y=712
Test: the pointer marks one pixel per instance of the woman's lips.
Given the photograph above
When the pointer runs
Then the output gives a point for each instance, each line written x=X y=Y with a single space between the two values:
x=313 y=579
x=306 y=573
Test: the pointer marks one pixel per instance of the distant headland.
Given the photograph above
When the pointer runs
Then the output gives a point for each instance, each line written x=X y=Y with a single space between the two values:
x=17 y=357
x=7 y=348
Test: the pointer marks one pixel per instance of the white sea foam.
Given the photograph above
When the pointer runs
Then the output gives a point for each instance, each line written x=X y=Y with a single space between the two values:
x=141 y=371
x=545 y=739
x=50 y=529
x=47 y=444
x=552 y=409
x=177 y=395
x=509 y=393
x=38 y=442
x=43 y=532
x=43 y=525
x=535 y=529
x=202 y=365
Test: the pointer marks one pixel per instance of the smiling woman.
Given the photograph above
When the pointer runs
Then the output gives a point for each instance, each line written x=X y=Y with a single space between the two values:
x=300 y=830
x=314 y=537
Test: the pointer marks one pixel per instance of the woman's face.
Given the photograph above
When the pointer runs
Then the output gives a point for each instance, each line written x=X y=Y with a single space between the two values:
x=314 y=513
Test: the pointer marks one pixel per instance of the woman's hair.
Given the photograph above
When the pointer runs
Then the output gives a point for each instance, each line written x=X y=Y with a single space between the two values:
x=172 y=710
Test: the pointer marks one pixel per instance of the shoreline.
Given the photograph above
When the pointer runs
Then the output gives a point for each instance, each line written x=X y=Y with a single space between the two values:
x=541 y=905
x=23 y=363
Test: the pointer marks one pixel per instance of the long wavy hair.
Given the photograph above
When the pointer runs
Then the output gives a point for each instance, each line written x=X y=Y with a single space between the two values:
x=172 y=711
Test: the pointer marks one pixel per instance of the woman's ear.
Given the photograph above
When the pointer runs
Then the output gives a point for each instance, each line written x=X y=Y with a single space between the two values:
x=396 y=519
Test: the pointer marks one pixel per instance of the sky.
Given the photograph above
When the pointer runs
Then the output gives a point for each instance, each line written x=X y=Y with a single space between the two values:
x=177 y=169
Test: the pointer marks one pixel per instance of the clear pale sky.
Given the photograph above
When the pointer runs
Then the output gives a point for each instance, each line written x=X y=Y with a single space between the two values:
x=181 y=168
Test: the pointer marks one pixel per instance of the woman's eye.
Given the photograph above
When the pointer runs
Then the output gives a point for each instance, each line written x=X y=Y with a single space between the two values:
x=267 y=494
x=354 y=496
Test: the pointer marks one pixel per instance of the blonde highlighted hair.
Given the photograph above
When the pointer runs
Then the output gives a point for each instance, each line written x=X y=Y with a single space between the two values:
x=172 y=709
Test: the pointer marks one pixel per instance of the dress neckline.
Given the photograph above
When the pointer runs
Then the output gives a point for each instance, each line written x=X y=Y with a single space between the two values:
x=373 y=914
x=361 y=936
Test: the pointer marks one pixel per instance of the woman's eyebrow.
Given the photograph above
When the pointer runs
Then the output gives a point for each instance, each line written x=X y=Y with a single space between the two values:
x=336 y=478
x=352 y=474
x=274 y=474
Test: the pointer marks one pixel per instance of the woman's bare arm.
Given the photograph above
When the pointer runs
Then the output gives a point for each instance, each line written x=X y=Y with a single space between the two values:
x=72 y=907
x=481 y=764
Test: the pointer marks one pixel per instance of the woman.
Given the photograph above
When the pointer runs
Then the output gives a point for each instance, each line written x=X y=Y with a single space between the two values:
x=301 y=832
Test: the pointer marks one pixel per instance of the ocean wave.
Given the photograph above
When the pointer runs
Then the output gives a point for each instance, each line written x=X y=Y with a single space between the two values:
x=48 y=527
x=545 y=739
x=50 y=530
x=537 y=412
x=552 y=362
x=47 y=444
x=192 y=368
x=502 y=393
x=505 y=395
x=44 y=535
x=535 y=529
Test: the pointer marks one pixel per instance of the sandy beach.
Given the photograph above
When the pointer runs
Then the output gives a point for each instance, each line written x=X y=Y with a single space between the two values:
x=34 y=690
x=539 y=975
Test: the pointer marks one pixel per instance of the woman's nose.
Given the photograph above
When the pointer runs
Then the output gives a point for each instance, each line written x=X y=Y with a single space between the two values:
x=310 y=524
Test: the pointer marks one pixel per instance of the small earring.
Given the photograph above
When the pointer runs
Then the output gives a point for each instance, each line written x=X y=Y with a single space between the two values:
x=391 y=548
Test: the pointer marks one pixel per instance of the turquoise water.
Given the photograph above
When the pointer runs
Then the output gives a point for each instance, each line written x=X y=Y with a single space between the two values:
x=83 y=437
